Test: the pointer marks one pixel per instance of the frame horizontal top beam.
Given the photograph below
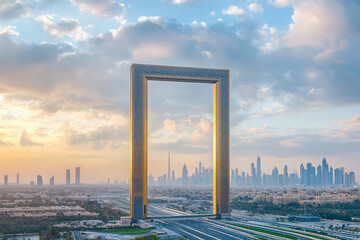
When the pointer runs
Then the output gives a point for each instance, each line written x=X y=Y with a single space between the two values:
x=179 y=74
x=179 y=79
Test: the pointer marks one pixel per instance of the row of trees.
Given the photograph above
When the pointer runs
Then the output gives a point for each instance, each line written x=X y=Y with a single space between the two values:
x=340 y=211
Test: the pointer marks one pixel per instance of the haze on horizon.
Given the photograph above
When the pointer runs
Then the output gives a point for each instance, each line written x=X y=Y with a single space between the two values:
x=65 y=69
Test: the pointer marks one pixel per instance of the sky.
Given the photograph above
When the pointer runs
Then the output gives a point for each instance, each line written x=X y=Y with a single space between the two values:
x=65 y=74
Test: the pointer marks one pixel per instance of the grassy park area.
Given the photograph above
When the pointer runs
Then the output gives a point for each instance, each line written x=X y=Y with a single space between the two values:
x=125 y=230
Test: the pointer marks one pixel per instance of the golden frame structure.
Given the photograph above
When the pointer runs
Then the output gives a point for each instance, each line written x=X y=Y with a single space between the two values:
x=140 y=75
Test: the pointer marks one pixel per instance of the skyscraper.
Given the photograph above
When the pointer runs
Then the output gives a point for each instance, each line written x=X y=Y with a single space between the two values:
x=286 y=176
x=17 y=179
x=173 y=177
x=169 y=168
x=325 y=172
x=351 y=179
x=6 y=180
x=331 y=176
x=253 y=175
x=258 y=170
x=185 y=176
x=342 y=176
x=237 y=176
x=232 y=182
x=275 y=177
x=52 y=181
x=347 y=180
x=319 y=176
x=39 y=181
x=337 y=176
x=67 y=177
x=308 y=174
x=302 y=174
x=77 y=176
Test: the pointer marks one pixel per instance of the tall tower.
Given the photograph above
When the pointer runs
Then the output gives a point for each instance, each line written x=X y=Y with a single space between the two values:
x=67 y=177
x=302 y=174
x=6 y=180
x=319 y=176
x=258 y=170
x=173 y=177
x=17 y=179
x=39 y=181
x=77 y=176
x=52 y=181
x=325 y=172
x=184 y=175
x=331 y=176
x=253 y=175
x=275 y=177
x=308 y=174
x=286 y=176
x=169 y=168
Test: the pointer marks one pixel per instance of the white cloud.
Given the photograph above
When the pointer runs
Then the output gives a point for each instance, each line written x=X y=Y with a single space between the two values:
x=105 y=136
x=212 y=13
x=199 y=24
x=12 y=9
x=321 y=25
x=25 y=140
x=233 y=10
x=152 y=51
x=280 y=3
x=9 y=30
x=179 y=1
x=170 y=125
x=154 y=19
x=255 y=7
x=354 y=120
x=206 y=54
x=65 y=27
x=103 y=8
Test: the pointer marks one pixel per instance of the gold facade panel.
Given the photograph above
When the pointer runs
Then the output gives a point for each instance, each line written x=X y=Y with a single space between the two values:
x=140 y=75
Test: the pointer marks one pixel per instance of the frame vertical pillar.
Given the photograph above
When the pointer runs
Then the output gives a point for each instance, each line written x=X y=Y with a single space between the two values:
x=140 y=74
x=138 y=145
x=221 y=142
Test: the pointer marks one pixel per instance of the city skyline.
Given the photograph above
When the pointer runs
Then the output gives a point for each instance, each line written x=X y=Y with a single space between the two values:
x=64 y=82
x=306 y=176
x=176 y=177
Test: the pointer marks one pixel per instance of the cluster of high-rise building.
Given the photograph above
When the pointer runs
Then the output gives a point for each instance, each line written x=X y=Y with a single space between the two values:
x=6 y=179
x=201 y=176
x=39 y=179
x=321 y=176
x=310 y=176
x=77 y=176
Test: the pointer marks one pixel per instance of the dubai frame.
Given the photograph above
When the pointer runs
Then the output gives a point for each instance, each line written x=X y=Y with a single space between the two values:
x=140 y=74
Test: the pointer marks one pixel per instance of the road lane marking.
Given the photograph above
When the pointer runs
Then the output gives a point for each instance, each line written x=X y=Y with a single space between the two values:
x=233 y=230
x=191 y=234
x=253 y=231
x=198 y=231
x=225 y=233
x=283 y=231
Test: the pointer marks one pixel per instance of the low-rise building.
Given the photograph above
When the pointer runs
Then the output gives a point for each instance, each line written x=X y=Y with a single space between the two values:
x=45 y=212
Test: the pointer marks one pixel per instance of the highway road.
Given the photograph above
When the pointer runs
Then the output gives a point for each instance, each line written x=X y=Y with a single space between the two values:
x=77 y=235
x=207 y=228
x=218 y=229
x=343 y=235
x=199 y=229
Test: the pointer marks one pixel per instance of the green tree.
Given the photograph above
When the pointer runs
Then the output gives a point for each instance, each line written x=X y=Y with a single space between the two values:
x=50 y=233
